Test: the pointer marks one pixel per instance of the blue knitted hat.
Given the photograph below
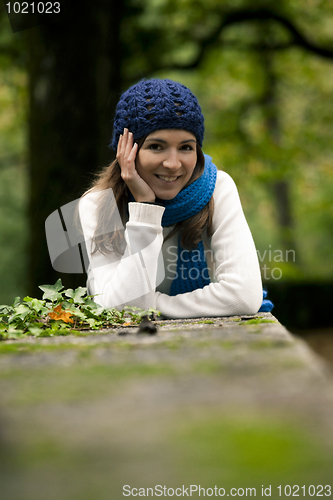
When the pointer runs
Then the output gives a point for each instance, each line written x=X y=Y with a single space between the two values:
x=154 y=105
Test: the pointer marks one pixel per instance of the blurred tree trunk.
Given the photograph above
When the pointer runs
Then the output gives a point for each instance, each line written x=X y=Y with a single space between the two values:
x=280 y=188
x=74 y=84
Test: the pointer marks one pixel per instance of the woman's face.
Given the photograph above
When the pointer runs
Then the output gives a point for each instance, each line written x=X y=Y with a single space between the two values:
x=166 y=161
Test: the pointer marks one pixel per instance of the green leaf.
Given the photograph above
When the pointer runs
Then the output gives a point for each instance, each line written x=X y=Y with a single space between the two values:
x=67 y=304
x=35 y=330
x=91 y=314
x=14 y=333
x=4 y=310
x=77 y=294
x=36 y=305
x=48 y=332
x=78 y=314
x=91 y=303
x=51 y=292
x=20 y=312
x=17 y=301
x=57 y=325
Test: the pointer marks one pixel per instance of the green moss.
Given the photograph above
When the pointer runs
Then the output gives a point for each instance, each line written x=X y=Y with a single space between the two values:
x=253 y=448
x=206 y=322
x=84 y=382
x=257 y=321
x=21 y=347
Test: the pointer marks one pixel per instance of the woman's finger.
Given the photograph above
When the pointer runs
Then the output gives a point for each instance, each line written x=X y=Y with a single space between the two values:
x=129 y=145
x=119 y=147
x=132 y=154
x=122 y=150
x=129 y=160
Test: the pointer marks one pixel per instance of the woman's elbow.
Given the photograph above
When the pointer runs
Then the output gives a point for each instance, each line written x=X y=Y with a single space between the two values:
x=250 y=299
x=245 y=299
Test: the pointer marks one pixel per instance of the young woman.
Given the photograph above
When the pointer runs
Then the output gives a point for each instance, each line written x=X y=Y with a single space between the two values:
x=163 y=227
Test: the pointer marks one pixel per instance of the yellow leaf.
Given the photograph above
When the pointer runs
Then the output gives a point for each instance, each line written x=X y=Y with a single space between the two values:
x=58 y=313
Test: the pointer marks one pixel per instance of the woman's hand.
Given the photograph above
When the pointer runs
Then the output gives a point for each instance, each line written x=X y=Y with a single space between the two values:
x=126 y=153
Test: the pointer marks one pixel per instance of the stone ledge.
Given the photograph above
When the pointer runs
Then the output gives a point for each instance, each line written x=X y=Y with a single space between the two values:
x=205 y=400
x=230 y=325
x=234 y=343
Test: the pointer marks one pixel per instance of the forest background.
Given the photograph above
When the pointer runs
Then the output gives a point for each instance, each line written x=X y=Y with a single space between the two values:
x=263 y=74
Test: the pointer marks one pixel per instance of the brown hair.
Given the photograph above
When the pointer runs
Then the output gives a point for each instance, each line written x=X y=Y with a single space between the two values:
x=191 y=230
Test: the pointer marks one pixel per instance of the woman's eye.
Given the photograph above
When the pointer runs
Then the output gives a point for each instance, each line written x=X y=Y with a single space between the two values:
x=154 y=147
x=187 y=147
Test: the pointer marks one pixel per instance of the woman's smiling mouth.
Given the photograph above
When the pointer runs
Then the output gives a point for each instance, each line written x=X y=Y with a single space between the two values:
x=167 y=178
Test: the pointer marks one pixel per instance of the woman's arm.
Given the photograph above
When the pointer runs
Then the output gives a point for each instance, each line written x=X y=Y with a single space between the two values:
x=238 y=288
x=129 y=279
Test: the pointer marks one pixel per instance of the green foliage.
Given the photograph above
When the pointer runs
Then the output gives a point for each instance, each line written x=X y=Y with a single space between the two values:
x=240 y=87
x=62 y=312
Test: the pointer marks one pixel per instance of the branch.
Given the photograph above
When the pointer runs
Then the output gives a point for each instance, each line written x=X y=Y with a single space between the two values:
x=263 y=14
x=244 y=15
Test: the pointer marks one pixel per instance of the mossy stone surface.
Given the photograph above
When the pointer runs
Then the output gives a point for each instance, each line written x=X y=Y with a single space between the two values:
x=207 y=402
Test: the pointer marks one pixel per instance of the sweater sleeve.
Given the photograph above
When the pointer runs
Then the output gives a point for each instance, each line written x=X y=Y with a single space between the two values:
x=129 y=279
x=237 y=287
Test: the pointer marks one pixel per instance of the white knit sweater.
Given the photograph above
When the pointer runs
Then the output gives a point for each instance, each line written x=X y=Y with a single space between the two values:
x=142 y=278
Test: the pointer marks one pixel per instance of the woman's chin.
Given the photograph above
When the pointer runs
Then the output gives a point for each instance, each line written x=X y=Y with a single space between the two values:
x=166 y=196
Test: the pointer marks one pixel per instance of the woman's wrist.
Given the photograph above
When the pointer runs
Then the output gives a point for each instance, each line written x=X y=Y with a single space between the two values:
x=146 y=201
x=145 y=213
x=144 y=197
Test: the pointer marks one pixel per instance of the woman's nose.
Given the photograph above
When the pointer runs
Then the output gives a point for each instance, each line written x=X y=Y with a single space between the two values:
x=172 y=161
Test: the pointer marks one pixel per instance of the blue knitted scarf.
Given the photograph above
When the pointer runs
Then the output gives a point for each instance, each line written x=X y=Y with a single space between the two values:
x=192 y=272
